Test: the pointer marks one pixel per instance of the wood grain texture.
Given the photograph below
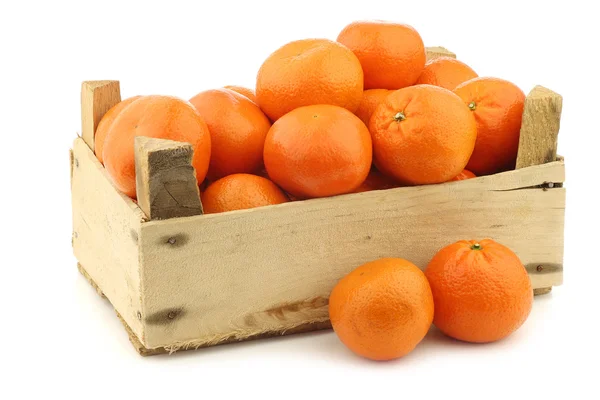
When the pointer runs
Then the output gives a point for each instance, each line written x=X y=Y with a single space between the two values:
x=542 y=291
x=143 y=351
x=106 y=229
x=166 y=184
x=437 y=52
x=235 y=275
x=97 y=97
x=539 y=129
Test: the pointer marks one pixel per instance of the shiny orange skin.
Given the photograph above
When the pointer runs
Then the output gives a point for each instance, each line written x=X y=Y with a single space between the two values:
x=240 y=191
x=392 y=55
x=376 y=181
x=465 y=174
x=106 y=122
x=446 y=72
x=498 y=109
x=422 y=134
x=479 y=295
x=307 y=72
x=318 y=151
x=382 y=309
x=237 y=129
x=244 y=91
x=370 y=100
x=162 y=117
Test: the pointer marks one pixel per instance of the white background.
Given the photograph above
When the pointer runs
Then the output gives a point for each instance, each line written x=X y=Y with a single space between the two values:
x=59 y=337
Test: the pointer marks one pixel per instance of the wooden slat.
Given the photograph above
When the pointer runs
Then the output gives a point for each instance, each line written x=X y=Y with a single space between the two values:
x=516 y=179
x=539 y=128
x=166 y=182
x=437 y=52
x=236 y=275
x=97 y=97
x=541 y=291
x=106 y=228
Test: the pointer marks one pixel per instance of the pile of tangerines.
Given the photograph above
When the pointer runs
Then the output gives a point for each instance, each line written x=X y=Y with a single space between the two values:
x=365 y=112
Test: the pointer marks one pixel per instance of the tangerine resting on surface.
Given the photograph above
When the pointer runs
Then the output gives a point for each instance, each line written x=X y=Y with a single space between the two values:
x=392 y=55
x=422 y=134
x=240 y=191
x=318 y=151
x=237 y=129
x=498 y=109
x=106 y=122
x=465 y=174
x=244 y=91
x=370 y=100
x=481 y=290
x=446 y=72
x=307 y=72
x=382 y=309
x=162 y=117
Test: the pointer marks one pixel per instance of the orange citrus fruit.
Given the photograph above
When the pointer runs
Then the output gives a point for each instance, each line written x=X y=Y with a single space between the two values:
x=318 y=151
x=240 y=191
x=244 y=91
x=370 y=100
x=237 y=129
x=392 y=55
x=422 y=134
x=105 y=124
x=382 y=309
x=498 y=109
x=446 y=72
x=307 y=72
x=161 y=117
x=376 y=181
x=481 y=290
x=465 y=174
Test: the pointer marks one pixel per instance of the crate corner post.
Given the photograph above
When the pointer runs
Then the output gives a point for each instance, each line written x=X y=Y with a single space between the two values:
x=105 y=243
x=538 y=141
x=437 y=52
x=97 y=97
x=166 y=184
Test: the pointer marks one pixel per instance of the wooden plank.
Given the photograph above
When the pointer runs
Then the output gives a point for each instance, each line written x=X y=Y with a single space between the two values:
x=106 y=228
x=539 y=128
x=437 y=52
x=541 y=291
x=97 y=97
x=143 y=351
x=166 y=184
x=235 y=275
x=516 y=179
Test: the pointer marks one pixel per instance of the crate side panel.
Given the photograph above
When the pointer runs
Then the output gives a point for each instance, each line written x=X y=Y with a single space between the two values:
x=106 y=228
x=214 y=277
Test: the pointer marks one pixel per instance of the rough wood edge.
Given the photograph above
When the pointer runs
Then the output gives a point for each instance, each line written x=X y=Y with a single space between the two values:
x=541 y=291
x=538 y=138
x=97 y=97
x=71 y=161
x=196 y=344
x=437 y=52
x=166 y=184
x=497 y=182
x=91 y=281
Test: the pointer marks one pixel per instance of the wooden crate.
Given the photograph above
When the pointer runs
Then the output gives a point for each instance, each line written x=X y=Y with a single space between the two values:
x=201 y=280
